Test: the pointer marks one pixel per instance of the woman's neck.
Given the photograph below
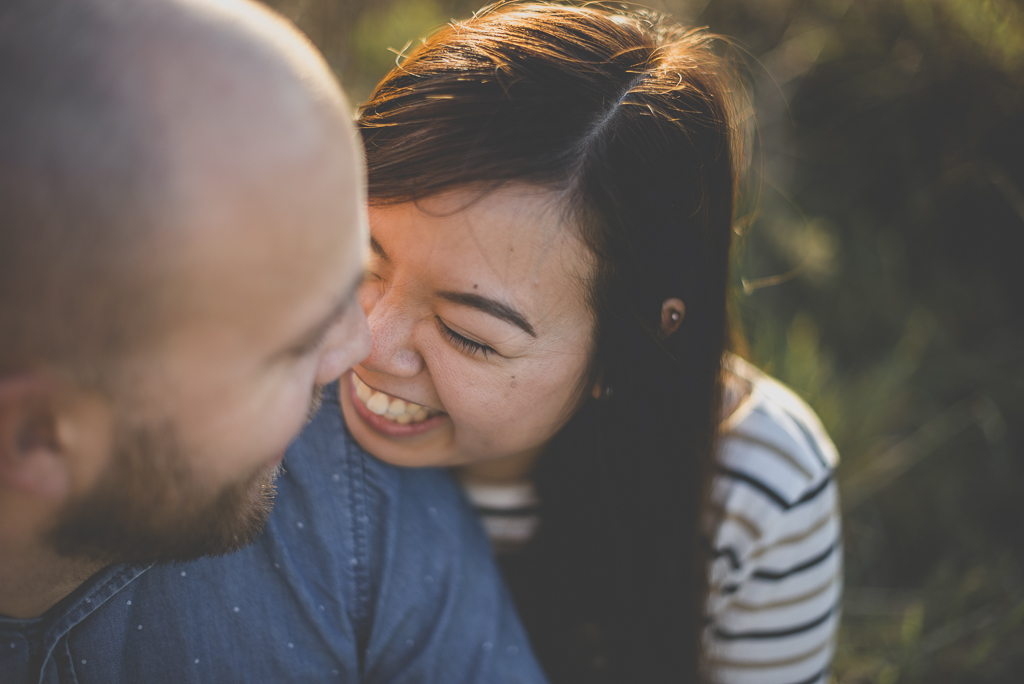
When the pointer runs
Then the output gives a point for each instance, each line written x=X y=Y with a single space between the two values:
x=518 y=467
x=505 y=470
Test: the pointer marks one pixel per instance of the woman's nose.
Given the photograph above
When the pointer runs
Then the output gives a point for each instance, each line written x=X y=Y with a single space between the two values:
x=391 y=326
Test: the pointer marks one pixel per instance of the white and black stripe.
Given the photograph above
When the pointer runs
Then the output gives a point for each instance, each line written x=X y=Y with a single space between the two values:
x=509 y=513
x=776 y=539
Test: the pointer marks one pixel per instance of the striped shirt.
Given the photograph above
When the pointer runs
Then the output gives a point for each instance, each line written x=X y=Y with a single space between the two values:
x=773 y=526
x=776 y=577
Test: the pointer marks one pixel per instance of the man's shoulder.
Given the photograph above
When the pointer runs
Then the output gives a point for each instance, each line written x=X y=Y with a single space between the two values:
x=423 y=586
x=325 y=462
x=379 y=503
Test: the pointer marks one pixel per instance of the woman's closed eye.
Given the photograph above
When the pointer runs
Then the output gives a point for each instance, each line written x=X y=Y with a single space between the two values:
x=468 y=346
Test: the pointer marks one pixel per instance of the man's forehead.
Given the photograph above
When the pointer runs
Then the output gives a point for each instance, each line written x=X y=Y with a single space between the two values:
x=260 y=180
x=273 y=260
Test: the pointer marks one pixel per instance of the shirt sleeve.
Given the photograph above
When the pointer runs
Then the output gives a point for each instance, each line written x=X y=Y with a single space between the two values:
x=776 y=577
x=440 y=610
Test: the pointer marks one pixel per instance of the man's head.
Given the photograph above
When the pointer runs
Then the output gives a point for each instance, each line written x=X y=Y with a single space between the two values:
x=181 y=234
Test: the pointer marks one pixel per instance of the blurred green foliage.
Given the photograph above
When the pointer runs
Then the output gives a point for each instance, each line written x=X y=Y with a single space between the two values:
x=878 y=273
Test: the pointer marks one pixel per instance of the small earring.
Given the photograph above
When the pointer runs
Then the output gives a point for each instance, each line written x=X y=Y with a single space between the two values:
x=607 y=393
x=672 y=312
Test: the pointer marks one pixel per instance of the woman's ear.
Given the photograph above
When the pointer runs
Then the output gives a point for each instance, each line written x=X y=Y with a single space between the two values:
x=32 y=458
x=672 y=312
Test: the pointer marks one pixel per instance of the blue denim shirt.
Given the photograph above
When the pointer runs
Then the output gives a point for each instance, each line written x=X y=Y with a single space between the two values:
x=365 y=573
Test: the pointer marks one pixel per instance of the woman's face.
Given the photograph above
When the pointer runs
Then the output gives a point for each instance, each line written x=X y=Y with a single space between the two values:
x=481 y=328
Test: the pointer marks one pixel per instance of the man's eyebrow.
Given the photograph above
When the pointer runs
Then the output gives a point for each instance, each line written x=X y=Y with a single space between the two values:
x=489 y=306
x=315 y=335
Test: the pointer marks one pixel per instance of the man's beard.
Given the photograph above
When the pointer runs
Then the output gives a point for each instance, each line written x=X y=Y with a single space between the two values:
x=315 y=402
x=150 y=506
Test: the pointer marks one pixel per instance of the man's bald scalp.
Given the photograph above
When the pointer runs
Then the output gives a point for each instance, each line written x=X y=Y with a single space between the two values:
x=90 y=176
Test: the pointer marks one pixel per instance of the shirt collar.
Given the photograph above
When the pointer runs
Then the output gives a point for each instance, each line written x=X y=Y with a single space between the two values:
x=77 y=605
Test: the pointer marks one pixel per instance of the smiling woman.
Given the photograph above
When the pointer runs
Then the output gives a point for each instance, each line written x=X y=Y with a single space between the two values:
x=552 y=191
x=479 y=315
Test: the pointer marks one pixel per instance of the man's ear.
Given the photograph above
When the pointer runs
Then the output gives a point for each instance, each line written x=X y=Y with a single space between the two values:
x=33 y=460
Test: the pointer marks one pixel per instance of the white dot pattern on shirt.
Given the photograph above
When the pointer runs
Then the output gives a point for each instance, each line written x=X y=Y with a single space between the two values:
x=487 y=646
x=335 y=477
x=299 y=525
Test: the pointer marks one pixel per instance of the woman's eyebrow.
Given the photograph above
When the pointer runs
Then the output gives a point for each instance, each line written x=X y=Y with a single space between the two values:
x=490 y=306
x=377 y=249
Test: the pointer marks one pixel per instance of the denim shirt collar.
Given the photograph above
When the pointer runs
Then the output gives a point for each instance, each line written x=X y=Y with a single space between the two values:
x=68 y=612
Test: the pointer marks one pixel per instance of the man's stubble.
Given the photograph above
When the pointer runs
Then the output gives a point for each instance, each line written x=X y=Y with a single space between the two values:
x=151 y=506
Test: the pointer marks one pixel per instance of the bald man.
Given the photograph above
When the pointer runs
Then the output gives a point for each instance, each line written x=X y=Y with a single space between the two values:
x=182 y=231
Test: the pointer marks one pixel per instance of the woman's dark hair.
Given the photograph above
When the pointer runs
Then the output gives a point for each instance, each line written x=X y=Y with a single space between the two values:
x=632 y=119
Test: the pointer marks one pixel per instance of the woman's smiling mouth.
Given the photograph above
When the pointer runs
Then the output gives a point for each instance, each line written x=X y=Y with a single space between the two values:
x=389 y=415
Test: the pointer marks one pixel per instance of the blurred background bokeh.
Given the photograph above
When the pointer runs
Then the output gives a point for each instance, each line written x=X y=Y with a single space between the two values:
x=877 y=274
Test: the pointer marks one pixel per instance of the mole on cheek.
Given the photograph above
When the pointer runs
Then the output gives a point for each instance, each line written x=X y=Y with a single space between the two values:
x=512 y=383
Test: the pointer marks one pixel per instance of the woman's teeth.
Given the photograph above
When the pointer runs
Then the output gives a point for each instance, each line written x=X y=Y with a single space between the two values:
x=397 y=410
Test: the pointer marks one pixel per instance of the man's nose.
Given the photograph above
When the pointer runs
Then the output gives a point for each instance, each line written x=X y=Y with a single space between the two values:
x=346 y=346
x=393 y=348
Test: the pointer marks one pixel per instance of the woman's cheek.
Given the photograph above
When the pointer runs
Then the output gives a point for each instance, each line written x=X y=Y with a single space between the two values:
x=517 y=421
x=458 y=384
